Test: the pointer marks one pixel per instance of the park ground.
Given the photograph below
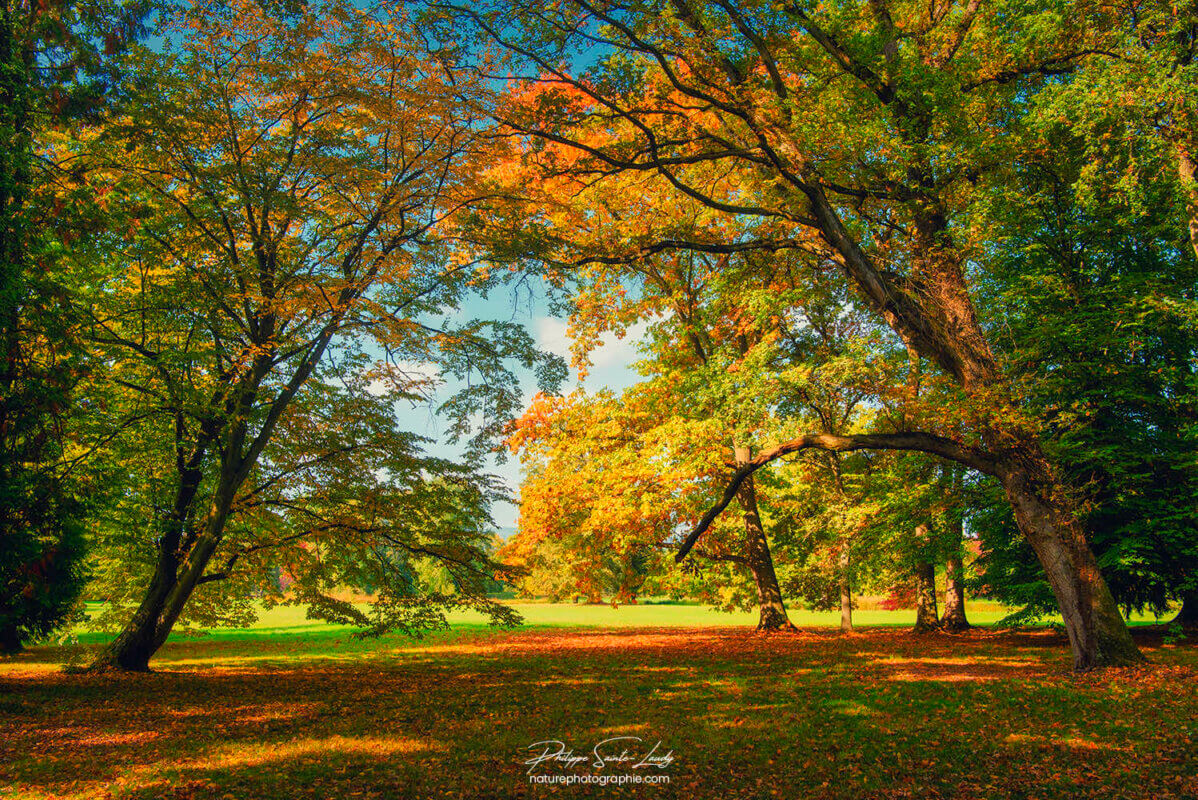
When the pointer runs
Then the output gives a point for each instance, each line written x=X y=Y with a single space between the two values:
x=296 y=709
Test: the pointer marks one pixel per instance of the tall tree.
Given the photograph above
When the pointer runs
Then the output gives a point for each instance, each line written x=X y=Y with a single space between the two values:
x=1092 y=294
x=863 y=130
x=955 y=619
x=285 y=173
x=56 y=65
x=708 y=336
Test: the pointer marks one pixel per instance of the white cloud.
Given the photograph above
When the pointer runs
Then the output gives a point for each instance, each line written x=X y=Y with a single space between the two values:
x=612 y=351
x=553 y=337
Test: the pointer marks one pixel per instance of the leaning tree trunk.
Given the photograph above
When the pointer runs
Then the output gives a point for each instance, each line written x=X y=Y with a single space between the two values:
x=1097 y=632
x=173 y=583
x=154 y=619
x=935 y=316
x=132 y=649
x=926 y=617
x=954 y=595
x=846 y=591
x=136 y=643
x=769 y=594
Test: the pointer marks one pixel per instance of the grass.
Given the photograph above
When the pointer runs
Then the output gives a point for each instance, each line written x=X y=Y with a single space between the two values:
x=294 y=709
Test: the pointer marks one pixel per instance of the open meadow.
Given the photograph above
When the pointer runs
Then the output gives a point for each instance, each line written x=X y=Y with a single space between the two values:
x=295 y=709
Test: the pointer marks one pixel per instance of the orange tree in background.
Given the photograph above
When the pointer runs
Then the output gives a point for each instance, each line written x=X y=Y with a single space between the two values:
x=748 y=338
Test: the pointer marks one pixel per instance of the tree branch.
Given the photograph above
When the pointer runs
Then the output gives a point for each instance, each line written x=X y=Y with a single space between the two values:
x=922 y=442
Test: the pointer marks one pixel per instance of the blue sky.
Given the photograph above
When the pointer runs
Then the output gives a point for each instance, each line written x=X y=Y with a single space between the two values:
x=612 y=368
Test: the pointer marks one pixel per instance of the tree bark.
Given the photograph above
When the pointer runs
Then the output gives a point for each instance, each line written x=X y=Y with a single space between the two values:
x=10 y=641
x=132 y=649
x=954 y=619
x=1187 y=617
x=772 y=616
x=1097 y=632
x=926 y=617
x=154 y=619
x=135 y=645
x=846 y=591
x=173 y=583
x=1187 y=172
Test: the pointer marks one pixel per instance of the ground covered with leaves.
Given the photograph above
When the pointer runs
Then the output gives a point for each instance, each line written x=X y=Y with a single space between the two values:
x=878 y=714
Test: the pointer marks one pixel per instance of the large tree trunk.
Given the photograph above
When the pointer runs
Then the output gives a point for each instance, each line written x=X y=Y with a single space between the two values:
x=1187 y=617
x=954 y=595
x=846 y=591
x=936 y=317
x=769 y=594
x=954 y=574
x=1097 y=632
x=926 y=617
x=172 y=584
x=154 y=619
x=132 y=649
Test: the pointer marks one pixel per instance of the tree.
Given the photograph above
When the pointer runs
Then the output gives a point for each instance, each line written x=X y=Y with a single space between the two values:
x=707 y=342
x=1092 y=295
x=600 y=502
x=56 y=60
x=902 y=117
x=954 y=619
x=752 y=338
x=284 y=175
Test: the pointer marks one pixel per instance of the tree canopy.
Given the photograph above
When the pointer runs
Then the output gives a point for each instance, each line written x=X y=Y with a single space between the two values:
x=904 y=277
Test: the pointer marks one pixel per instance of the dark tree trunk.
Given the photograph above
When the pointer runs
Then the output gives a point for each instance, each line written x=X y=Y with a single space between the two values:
x=954 y=595
x=10 y=641
x=173 y=583
x=1097 y=632
x=1187 y=617
x=954 y=573
x=757 y=555
x=846 y=591
x=133 y=648
x=926 y=617
x=938 y=320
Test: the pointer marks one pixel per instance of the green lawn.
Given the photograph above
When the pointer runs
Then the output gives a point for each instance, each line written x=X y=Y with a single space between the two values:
x=292 y=620
x=293 y=709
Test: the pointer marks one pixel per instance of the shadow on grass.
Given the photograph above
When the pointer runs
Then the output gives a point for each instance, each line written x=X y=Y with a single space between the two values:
x=813 y=714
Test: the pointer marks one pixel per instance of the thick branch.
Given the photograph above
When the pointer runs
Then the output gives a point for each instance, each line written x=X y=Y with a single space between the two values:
x=921 y=442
